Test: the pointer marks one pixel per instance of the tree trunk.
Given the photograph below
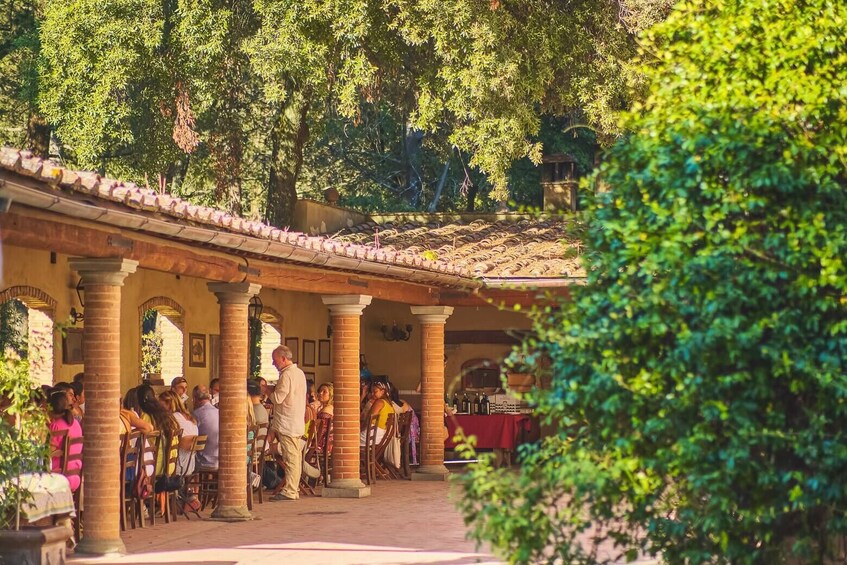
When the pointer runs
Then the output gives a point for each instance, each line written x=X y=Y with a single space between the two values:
x=411 y=151
x=288 y=138
x=38 y=136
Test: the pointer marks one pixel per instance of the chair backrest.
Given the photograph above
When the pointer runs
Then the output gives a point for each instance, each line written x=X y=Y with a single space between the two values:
x=260 y=442
x=252 y=431
x=404 y=425
x=58 y=450
x=199 y=443
x=129 y=454
x=170 y=452
x=390 y=432
x=72 y=455
x=149 y=449
x=370 y=432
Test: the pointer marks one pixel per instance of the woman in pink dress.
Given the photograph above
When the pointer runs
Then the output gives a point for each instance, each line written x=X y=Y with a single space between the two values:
x=62 y=418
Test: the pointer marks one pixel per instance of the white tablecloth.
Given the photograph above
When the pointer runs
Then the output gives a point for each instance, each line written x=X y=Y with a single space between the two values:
x=50 y=496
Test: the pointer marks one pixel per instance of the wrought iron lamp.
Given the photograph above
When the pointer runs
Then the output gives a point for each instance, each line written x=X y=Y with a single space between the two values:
x=77 y=316
x=396 y=333
x=254 y=309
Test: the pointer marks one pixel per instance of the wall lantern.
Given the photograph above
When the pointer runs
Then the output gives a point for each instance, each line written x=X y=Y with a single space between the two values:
x=396 y=333
x=78 y=316
x=328 y=331
x=254 y=309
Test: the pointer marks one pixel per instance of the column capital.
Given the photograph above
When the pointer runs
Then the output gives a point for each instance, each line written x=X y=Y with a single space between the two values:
x=432 y=314
x=104 y=270
x=346 y=304
x=234 y=293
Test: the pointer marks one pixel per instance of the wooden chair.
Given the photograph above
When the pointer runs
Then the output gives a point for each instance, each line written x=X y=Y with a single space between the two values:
x=170 y=451
x=257 y=463
x=252 y=432
x=207 y=481
x=191 y=481
x=129 y=463
x=323 y=435
x=366 y=452
x=383 y=469
x=307 y=454
x=404 y=427
x=148 y=454
x=57 y=451
x=68 y=458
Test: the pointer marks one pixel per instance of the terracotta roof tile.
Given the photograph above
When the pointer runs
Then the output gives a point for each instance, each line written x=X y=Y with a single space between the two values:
x=517 y=247
x=513 y=246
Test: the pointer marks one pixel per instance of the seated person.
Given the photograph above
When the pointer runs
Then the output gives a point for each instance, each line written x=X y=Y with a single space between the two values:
x=381 y=407
x=254 y=391
x=173 y=404
x=325 y=396
x=208 y=424
x=61 y=418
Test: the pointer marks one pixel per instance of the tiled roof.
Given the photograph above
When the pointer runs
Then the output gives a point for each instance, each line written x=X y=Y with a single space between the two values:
x=144 y=200
x=494 y=246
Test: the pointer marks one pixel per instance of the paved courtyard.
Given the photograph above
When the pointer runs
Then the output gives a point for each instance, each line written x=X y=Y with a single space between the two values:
x=401 y=522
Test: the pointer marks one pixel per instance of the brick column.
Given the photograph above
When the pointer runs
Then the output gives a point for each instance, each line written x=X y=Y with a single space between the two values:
x=345 y=313
x=234 y=365
x=102 y=279
x=432 y=319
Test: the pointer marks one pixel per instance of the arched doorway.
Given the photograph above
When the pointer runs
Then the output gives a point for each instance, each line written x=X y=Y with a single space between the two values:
x=162 y=340
x=26 y=329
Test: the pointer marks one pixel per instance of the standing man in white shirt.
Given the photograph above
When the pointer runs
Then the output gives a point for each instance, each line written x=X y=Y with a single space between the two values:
x=288 y=425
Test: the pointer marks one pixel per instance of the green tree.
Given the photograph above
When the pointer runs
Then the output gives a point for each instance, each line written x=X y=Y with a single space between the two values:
x=698 y=379
x=221 y=97
x=21 y=124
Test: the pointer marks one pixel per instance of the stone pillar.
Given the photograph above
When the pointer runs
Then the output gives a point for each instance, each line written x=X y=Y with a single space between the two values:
x=345 y=313
x=102 y=279
x=234 y=366
x=432 y=319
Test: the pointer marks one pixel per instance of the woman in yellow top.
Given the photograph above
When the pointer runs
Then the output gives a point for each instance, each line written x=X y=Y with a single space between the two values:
x=381 y=407
x=164 y=422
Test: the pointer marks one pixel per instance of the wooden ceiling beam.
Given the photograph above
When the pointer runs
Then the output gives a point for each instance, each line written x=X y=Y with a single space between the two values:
x=41 y=230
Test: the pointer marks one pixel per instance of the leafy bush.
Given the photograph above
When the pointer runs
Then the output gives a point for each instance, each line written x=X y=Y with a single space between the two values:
x=698 y=380
x=22 y=439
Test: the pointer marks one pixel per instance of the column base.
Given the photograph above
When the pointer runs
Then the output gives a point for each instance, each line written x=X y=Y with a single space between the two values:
x=346 y=488
x=231 y=514
x=431 y=473
x=100 y=547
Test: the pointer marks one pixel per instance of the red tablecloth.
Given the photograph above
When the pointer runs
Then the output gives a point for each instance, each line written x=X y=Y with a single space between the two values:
x=492 y=432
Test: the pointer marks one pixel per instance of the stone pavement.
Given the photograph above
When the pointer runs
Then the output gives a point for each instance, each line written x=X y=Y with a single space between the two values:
x=401 y=522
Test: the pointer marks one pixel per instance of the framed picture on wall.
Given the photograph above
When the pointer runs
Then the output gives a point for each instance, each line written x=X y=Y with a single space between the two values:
x=72 y=346
x=323 y=352
x=308 y=353
x=293 y=343
x=196 y=350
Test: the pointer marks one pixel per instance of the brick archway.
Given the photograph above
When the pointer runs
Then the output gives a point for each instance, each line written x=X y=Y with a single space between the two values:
x=171 y=325
x=41 y=310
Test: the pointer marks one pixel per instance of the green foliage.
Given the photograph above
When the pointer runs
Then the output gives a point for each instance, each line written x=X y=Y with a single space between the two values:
x=19 y=48
x=151 y=345
x=14 y=331
x=22 y=436
x=698 y=379
x=217 y=100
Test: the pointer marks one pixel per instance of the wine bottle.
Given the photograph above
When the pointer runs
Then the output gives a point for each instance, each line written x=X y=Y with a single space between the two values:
x=455 y=402
x=476 y=404
x=466 y=404
x=485 y=405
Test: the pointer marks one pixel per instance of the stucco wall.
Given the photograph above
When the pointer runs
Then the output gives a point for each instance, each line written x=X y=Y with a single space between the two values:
x=401 y=360
x=303 y=315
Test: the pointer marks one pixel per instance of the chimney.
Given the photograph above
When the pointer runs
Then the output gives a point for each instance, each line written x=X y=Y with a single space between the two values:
x=559 y=182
